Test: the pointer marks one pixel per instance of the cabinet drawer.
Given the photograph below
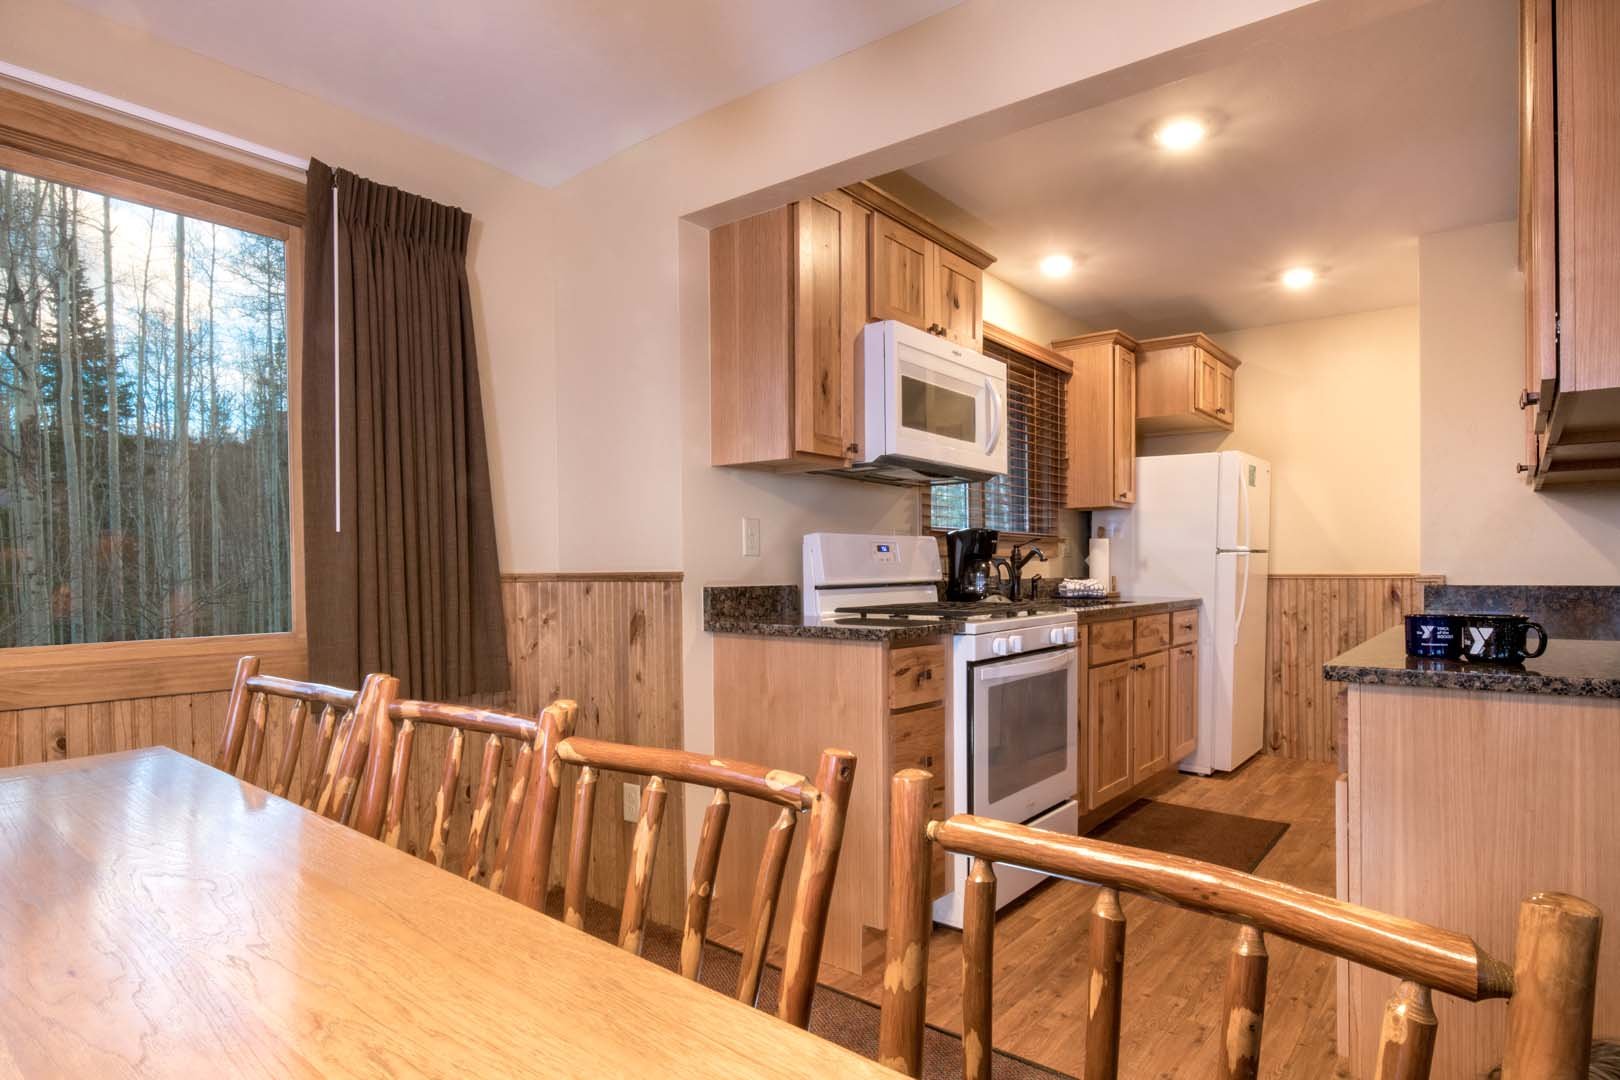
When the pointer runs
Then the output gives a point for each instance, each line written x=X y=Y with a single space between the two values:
x=917 y=741
x=1152 y=634
x=1111 y=641
x=1183 y=626
x=916 y=675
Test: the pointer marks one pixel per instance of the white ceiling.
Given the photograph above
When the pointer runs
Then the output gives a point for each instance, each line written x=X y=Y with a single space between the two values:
x=1336 y=155
x=541 y=88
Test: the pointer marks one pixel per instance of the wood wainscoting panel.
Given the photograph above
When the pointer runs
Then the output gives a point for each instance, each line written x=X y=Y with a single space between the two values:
x=1310 y=619
x=610 y=642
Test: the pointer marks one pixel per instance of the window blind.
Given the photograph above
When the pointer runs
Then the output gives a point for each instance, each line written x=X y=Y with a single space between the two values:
x=1028 y=498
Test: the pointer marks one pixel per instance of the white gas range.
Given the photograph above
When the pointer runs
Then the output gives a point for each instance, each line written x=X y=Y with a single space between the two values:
x=1011 y=727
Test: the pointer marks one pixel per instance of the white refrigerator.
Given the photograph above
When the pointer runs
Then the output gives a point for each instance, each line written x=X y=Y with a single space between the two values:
x=1201 y=527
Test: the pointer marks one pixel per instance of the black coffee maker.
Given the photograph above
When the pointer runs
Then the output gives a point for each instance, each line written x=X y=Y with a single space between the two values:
x=969 y=553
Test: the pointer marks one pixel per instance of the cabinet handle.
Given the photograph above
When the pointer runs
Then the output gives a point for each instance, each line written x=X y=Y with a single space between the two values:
x=853 y=448
x=925 y=675
x=1528 y=398
x=1521 y=467
x=1221 y=411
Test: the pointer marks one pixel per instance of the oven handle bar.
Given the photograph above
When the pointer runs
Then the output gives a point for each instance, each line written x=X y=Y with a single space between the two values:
x=1006 y=670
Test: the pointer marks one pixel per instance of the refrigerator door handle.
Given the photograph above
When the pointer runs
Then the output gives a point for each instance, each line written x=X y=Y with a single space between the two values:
x=1248 y=514
x=1243 y=598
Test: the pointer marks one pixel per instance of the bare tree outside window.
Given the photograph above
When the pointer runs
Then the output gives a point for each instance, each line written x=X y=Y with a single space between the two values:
x=143 y=422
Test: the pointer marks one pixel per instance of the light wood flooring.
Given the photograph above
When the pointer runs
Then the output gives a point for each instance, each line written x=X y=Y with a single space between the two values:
x=1175 y=961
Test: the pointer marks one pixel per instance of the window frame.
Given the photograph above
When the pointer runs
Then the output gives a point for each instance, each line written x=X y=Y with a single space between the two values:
x=106 y=157
x=1041 y=355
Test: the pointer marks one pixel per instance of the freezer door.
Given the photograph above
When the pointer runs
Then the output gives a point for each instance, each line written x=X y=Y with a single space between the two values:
x=1243 y=517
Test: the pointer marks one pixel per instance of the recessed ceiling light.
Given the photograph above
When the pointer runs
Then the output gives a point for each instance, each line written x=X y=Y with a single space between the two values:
x=1298 y=277
x=1182 y=134
x=1057 y=265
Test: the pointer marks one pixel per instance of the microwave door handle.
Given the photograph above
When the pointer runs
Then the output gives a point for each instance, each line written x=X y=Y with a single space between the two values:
x=995 y=415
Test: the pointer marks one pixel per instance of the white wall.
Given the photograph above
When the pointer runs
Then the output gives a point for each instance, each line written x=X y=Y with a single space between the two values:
x=1481 y=523
x=1333 y=405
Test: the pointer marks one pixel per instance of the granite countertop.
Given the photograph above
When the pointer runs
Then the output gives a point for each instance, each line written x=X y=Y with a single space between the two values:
x=776 y=611
x=1571 y=667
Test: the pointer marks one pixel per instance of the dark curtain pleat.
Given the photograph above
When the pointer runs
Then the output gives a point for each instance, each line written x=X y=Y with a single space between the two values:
x=411 y=583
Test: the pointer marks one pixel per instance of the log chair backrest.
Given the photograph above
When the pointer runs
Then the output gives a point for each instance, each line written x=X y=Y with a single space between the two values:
x=1550 y=988
x=826 y=802
x=341 y=744
x=383 y=789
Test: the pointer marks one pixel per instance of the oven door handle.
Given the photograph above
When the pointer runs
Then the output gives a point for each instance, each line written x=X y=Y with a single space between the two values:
x=1005 y=671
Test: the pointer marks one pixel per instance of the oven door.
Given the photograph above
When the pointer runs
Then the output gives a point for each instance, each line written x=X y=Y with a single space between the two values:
x=1023 y=734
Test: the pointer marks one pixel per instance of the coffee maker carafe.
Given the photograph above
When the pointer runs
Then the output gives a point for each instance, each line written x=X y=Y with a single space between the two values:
x=969 y=553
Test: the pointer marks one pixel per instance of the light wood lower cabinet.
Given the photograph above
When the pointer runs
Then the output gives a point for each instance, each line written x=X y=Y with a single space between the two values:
x=1183 y=700
x=1140 y=712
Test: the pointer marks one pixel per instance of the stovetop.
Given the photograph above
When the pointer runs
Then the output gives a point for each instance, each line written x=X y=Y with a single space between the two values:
x=974 y=610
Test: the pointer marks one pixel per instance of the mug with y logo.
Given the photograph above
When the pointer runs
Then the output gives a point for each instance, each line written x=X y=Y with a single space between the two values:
x=1433 y=637
x=1498 y=639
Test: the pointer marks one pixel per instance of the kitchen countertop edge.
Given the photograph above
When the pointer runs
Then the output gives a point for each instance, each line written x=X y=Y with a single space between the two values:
x=927 y=631
x=1571 y=668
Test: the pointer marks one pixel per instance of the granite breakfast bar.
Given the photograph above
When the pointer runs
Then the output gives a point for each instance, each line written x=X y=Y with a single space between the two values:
x=1469 y=787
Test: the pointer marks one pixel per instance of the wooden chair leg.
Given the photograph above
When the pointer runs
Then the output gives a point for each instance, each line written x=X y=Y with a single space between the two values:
x=1107 y=980
x=1245 y=1006
x=1554 y=987
x=1406 y=1040
x=807 y=929
x=978 y=954
x=905 y=965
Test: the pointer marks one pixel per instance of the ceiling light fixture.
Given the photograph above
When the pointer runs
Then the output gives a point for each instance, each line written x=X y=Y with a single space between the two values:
x=1298 y=277
x=1057 y=265
x=1180 y=135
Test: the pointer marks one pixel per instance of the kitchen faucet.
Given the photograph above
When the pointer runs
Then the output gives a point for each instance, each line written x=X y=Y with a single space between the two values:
x=1015 y=568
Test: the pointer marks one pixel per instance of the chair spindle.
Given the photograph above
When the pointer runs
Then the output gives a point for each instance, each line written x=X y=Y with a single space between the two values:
x=701 y=891
x=489 y=774
x=807 y=927
x=234 y=732
x=1406 y=1041
x=290 y=748
x=576 y=888
x=643 y=851
x=978 y=952
x=1245 y=1006
x=1107 y=980
x=396 y=784
x=1554 y=979
x=762 y=916
x=444 y=801
x=515 y=795
x=254 y=751
x=309 y=793
x=905 y=972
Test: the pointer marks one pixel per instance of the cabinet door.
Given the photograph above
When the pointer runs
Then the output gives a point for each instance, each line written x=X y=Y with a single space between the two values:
x=1206 y=383
x=901 y=266
x=1124 y=448
x=1150 y=716
x=1226 y=409
x=1183 y=701
x=957 y=294
x=1109 y=744
x=827 y=316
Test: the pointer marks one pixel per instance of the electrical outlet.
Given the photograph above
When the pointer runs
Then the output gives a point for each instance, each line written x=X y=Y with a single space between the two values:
x=632 y=802
x=751 y=537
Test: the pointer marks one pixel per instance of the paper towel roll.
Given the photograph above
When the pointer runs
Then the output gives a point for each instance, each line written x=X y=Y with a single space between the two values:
x=1097 y=561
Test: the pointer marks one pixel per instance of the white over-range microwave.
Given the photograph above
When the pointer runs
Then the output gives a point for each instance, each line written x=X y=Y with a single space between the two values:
x=931 y=409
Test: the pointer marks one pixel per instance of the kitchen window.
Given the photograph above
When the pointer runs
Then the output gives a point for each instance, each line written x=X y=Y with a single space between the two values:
x=1026 y=501
x=149 y=509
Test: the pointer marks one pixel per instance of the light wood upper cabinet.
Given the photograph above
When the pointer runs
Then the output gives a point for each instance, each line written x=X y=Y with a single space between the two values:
x=902 y=274
x=922 y=283
x=1183 y=700
x=1150 y=716
x=1101 y=419
x=1108 y=743
x=958 y=299
x=786 y=301
x=1184 y=383
x=1569 y=232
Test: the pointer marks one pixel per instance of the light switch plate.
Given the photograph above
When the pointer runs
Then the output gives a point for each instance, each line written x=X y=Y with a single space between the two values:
x=751 y=537
x=632 y=802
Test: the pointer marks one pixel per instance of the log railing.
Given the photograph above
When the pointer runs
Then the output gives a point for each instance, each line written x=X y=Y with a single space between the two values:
x=825 y=801
x=1549 y=989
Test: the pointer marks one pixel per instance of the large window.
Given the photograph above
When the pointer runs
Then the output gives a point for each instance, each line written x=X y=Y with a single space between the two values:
x=1025 y=501
x=143 y=421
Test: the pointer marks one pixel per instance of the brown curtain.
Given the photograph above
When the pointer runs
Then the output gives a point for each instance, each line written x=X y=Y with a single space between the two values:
x=399 y=533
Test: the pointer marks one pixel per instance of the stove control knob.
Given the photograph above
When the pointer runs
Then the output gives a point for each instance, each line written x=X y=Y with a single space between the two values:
x=1015 y=643
x=999 y=646
x=1056 y=636
x=1070 y=634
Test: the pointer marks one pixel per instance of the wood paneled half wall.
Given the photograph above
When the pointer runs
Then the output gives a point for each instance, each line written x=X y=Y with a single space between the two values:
x=612 y=642
x=1310 y=619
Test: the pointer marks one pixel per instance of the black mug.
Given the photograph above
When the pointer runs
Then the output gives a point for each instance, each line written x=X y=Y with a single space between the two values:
x=1433 y=637
x=1498 y=639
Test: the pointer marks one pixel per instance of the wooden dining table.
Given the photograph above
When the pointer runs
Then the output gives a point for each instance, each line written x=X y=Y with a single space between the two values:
x=160 y=918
